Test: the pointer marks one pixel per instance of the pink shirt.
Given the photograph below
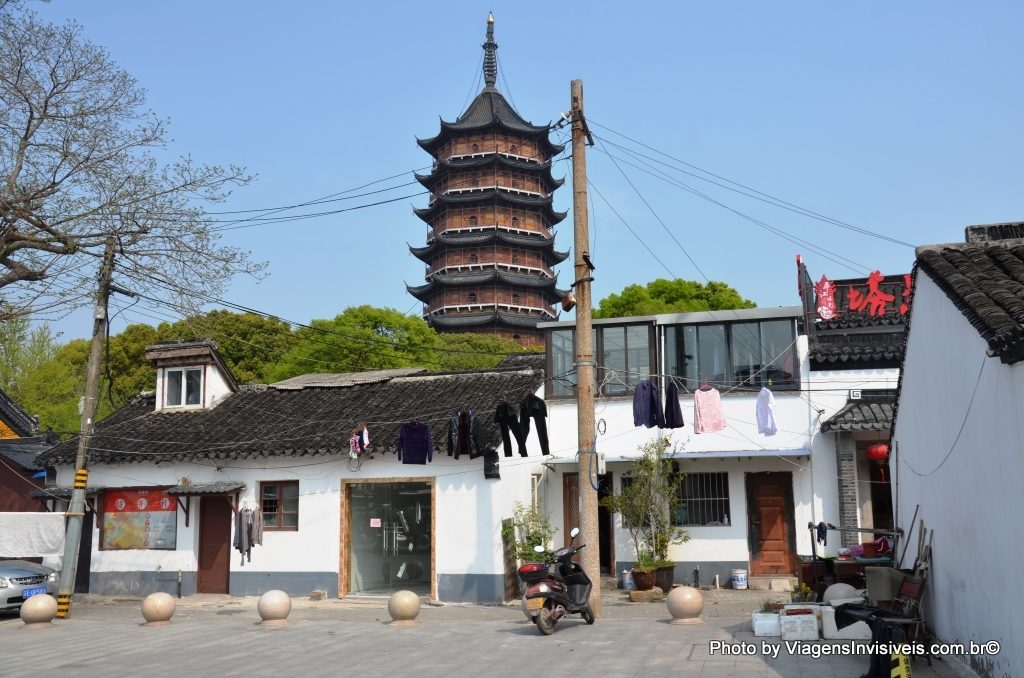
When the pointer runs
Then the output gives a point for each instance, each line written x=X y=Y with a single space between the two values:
x=708 y=416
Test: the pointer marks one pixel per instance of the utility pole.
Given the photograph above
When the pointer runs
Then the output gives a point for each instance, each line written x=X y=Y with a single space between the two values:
x=585 y=366
x=76 y=511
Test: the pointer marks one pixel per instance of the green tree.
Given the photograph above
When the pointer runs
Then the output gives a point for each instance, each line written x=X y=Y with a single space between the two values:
x=360 y=338
x=250 y=344
x=35 y=373
x=670 y=296
x=471 y=351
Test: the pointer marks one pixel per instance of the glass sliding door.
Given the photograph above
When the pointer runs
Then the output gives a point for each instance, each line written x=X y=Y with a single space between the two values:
x=390 y=537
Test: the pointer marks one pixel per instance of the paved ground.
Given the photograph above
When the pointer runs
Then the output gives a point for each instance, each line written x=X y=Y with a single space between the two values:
x=220 y=636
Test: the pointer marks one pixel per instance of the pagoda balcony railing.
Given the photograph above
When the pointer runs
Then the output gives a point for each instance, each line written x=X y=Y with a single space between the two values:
x=515 y=308
x=484 y=154
x=492 y=265
x=488 y=187
x=483 y=227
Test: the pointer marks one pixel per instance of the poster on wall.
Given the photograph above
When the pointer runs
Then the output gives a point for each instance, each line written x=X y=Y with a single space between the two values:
x=139 y=519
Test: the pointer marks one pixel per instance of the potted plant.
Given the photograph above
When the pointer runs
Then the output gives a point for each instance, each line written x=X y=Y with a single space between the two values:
x=647 y=500
x=766 y=621
x=644 y=572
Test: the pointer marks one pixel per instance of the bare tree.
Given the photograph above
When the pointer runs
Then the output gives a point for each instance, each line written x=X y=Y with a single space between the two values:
x=78 y=164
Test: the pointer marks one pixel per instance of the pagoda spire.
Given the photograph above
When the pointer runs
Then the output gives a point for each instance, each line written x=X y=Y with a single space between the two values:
x=490 y=60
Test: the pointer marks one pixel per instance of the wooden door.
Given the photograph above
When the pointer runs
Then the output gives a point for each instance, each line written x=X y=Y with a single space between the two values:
x=215 y=518
x=770 y=523
x=570 y=505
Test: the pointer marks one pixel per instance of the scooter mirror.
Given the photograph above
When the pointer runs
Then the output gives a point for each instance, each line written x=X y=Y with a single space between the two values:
x=538 y=549
x=574 y=532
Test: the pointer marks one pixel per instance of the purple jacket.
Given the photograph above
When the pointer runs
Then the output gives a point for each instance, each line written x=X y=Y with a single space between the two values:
x=414 y=444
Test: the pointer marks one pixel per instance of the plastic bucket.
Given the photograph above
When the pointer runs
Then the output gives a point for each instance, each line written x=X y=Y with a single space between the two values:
x=627 y=580
x=739 y=579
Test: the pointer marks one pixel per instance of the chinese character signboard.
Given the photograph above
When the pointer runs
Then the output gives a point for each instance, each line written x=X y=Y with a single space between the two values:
x=139 y=519
x=873 y=297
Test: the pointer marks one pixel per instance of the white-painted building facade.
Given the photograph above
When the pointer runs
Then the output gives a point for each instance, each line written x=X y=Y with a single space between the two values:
x=959 y=436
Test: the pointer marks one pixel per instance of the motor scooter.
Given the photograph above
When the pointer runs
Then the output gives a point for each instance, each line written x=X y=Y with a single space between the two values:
x=556 y=588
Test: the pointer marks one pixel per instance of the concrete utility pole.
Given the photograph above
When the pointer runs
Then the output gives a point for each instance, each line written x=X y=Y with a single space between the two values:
x=585 y=366
x=76 y=511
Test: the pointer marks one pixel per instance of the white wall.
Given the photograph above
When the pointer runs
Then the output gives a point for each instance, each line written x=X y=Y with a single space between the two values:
x=469 y=509
x=968 y=489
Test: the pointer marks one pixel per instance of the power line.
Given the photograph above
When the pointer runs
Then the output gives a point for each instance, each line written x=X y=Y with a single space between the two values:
x=778 y=201
x=827 y=254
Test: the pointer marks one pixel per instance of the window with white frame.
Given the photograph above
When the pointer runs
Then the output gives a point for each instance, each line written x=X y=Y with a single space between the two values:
x=184 y=387
x=703 y=500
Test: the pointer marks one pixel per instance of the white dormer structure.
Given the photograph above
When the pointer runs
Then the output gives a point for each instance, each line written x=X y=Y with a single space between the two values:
x=190 y=375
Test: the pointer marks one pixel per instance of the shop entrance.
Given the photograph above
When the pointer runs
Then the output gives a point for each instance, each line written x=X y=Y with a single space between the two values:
x=388 y=538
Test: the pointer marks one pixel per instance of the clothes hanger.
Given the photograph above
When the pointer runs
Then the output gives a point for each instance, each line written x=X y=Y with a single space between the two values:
x=705 y=386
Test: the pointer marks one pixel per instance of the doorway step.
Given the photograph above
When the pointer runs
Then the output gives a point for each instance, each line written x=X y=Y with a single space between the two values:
x=772 y=582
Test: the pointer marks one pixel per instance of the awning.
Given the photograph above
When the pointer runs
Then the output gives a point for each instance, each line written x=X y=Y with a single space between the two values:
x=198 y=489
x=861 y=415
x=62 y=492
x=694 y=456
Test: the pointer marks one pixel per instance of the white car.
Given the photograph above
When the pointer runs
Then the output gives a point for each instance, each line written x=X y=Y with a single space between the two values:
x=20 y=579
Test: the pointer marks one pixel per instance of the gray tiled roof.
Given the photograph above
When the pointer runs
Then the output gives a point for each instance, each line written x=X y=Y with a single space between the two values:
x=224 y=487
x=862 y=415
x=300 y=422
x=985 y=281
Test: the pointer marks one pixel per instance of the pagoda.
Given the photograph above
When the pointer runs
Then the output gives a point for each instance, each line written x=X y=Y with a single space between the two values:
x=490 y=251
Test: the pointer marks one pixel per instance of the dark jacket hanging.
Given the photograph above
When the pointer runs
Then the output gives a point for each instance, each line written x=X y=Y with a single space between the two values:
x=673 y=412
x=533 y=406
x=414 y=443
x=464 y=435
x=491 y=470
x=506 y=419
x=647 y=406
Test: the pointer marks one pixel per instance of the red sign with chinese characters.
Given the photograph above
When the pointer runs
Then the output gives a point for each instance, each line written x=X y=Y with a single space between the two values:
x=875 y=296
x=136 y=501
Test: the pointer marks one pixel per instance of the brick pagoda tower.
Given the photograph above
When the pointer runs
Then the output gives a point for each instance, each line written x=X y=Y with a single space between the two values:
x=490 y=252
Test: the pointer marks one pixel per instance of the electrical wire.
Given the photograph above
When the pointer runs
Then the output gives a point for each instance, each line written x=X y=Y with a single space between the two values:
x=779 y=201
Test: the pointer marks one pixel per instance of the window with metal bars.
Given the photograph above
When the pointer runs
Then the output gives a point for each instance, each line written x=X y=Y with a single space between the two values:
x=703 y=500
x=280 y=504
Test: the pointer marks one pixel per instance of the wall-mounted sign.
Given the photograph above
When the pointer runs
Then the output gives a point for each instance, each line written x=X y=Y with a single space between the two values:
x=139 y=519
x=374 y=522
x=875 y=296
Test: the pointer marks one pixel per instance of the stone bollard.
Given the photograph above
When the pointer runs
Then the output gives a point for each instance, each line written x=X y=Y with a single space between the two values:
x=274 y=607
x=158 y=608
x=404 y=607
x=685 y=604
x=38 y=611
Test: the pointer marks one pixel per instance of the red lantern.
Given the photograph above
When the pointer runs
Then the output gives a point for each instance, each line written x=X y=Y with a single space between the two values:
x=878 y=452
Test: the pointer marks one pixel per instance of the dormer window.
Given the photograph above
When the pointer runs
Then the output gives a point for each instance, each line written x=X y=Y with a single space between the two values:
x=183 y=388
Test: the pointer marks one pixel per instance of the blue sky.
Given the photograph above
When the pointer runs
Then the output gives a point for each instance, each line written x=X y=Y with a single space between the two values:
x=900 y=118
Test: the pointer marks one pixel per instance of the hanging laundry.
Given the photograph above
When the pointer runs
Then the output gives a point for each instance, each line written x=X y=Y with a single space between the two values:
x=491 y=469
x=414 y=443
x=822 y=532
x=708 y=416
x=464 y=435
x=507 y=420
x=533 y=406
x=248 y=532
x=647 y=406
x=359 y=441
x=673 y=412
x=766 y=413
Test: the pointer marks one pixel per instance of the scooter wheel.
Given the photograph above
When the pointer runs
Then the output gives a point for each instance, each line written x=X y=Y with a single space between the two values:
x=544 y=623
x=588 y=616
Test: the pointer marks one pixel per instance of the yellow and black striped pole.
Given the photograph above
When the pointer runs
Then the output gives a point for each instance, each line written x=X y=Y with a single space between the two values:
x=65 y=591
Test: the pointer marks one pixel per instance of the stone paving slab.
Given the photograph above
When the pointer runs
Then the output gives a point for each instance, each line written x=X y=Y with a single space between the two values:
x=221 y=636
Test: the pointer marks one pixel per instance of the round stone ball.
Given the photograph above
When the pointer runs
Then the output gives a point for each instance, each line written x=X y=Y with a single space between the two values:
x=39 y=610
x=274 y=607
x=838 y=591
x=158 y=608
x=404 y=607
x=685 y=604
